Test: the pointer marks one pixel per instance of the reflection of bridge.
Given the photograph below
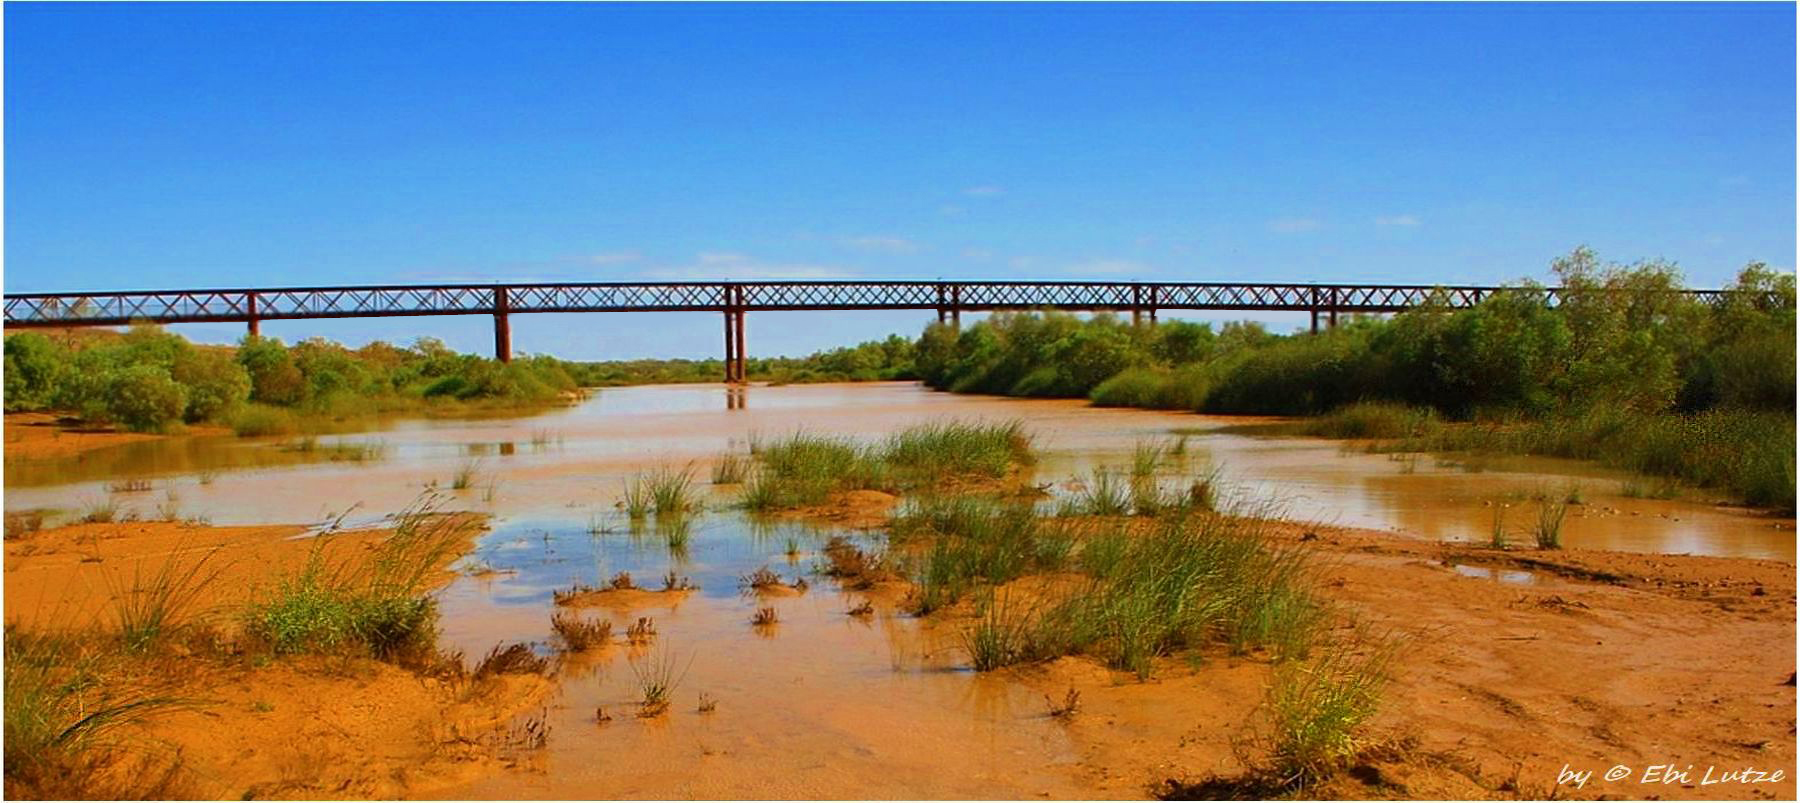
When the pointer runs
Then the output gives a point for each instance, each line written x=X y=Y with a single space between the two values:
x=733 y=299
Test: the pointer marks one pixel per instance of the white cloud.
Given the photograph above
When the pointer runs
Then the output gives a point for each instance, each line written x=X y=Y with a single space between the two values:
x=984 y=191
x=1293 y=225
x=978 y=254
x=1397 y=220
x=728 y=266
x=892 y=245
x=1108 y=267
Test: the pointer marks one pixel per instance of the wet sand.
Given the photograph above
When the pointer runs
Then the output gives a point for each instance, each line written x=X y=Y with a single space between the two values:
x=301 y=726
x=1521 y=661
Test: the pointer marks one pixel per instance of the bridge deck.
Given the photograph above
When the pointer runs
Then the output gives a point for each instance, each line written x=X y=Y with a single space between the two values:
x=734 y=299
x=247 y=304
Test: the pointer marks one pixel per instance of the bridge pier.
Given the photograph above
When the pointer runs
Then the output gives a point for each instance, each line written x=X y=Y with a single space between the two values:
x=743 y=372
x=736 y=368
x=502 y=326
x=250 y=308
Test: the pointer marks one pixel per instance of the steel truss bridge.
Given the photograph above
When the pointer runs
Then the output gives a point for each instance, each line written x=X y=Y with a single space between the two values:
x=735 y=299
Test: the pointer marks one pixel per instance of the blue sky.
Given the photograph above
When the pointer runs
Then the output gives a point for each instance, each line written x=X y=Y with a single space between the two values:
x=209 y=145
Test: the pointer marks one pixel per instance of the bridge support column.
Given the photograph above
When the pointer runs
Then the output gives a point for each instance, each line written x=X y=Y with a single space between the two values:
x=730 y=347
x=502 y=326
x=743 y=373
x=250 y=309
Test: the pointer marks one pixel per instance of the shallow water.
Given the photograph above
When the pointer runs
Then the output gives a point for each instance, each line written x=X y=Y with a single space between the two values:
x=575 y=459
x=822 y=704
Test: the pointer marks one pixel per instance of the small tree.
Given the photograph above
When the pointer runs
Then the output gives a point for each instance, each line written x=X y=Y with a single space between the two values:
x=144 y=398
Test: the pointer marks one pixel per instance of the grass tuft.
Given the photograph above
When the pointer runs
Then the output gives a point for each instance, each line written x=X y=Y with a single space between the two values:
x=579 y=634
x=1548 y=531
x=657 y=680
x=1319 y=707
x=377 y=605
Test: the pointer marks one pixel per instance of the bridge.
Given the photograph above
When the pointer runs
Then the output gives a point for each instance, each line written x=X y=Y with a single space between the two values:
x=734 y=300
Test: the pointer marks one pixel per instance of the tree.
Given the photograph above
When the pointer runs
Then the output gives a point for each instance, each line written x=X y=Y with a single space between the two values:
x=274 y=379
x=144 y=398
x=33 y=366
x=216 y=384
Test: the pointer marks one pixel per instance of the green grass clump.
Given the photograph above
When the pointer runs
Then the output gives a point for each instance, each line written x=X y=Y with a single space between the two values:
x=65 y=706
x=927 y=452
x=730 y=469
x=657 y=680
x=1190 y=582
x=973 y=541
x=803 y=469
x=1548 y=530
x=1319 y=708
x=636 y=500
x=377 y=605
x=1104 y=494
x=464 y=478
x=672 y=491
x=1004 y=635
x=159 y=604
x=1146 y=458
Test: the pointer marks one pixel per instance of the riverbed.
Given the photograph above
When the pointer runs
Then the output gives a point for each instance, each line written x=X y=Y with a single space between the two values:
x=821 y=704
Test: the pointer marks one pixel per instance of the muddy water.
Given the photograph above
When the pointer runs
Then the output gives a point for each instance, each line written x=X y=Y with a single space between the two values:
x=822 y=704
x=574 y=459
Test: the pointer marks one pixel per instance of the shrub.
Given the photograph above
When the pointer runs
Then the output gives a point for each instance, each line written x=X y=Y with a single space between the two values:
x=144 y=398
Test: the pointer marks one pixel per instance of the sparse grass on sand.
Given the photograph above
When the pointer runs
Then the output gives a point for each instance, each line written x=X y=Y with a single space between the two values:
x=161 y=603
x=377 y=605
x=65 y=707
x=657 y=679
x=1318 y=707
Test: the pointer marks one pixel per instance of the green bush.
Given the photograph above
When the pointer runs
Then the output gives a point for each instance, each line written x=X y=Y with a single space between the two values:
x=33 y=366
x=144 y=398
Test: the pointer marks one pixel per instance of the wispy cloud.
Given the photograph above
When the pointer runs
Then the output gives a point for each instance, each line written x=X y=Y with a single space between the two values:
x=891 y=245
x=984 y=191
x=1397 y=220
x=950 y=210
x=977 y=254
x=731 y=266
x=1293 y=225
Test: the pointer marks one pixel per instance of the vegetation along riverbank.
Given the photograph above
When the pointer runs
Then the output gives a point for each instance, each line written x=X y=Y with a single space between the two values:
x=1621 y=371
